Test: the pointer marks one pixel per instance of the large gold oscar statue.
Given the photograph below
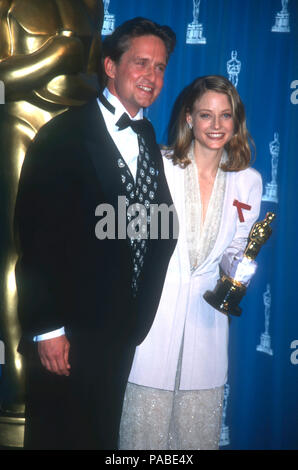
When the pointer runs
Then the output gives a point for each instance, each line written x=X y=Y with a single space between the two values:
x=49 y=61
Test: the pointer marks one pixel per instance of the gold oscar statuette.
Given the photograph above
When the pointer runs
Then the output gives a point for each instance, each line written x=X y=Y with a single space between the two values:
x=50 y=56
x=231 y=287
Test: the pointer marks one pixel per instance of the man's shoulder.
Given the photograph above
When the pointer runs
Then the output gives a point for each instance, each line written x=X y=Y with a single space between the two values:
x=60 y=142
x=70 y=125
x=77 y=115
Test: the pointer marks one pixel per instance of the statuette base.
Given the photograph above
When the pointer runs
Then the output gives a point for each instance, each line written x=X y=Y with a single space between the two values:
x=281 y=23
x=224 y=437
x=226 y=296
x=270 y=193
x=11 y=431
x=265 y=344
x=194 y=34
x=108 y=25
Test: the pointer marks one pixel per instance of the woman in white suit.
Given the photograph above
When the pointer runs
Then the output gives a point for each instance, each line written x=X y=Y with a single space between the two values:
x=175 y=391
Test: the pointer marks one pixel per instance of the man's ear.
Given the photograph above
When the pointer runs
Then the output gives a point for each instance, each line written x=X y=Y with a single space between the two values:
x=109 y=66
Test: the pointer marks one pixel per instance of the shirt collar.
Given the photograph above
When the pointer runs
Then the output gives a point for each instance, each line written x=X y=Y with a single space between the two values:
x=119 y=108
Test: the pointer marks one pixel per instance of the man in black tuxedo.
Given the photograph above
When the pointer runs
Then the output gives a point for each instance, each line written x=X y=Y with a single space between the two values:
x=86 y=300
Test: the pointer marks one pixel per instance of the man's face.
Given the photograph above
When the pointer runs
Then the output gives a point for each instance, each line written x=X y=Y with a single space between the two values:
x=138 y=77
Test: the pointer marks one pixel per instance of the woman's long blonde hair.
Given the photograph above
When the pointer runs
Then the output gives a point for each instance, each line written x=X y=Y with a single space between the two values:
x=238 y=148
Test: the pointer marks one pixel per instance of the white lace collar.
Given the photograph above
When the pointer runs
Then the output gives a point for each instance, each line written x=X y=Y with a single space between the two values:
x=202 y=237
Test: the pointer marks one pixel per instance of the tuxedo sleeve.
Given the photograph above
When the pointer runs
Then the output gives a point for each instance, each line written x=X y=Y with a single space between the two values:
x=44 y=217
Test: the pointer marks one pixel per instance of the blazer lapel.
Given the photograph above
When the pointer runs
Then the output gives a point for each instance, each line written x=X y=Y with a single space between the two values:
x=226 y=223
x=104 y=155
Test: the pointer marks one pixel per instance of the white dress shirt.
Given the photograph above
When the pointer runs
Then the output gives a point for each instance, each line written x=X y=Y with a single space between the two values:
x=126 y=141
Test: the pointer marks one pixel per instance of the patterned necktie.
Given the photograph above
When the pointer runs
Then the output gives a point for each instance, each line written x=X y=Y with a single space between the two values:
x=142 y=196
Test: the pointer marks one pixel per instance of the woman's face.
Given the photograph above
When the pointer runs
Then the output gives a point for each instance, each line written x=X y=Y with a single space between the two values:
x=212 y=120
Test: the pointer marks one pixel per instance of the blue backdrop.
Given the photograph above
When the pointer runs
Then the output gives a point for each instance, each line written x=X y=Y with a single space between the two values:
x=255 y=44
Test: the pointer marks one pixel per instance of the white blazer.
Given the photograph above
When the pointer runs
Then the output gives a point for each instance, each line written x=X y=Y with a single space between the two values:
x=183 y=314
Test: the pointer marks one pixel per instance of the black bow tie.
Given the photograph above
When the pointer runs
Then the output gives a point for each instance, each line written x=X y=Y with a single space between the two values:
x=139 y=126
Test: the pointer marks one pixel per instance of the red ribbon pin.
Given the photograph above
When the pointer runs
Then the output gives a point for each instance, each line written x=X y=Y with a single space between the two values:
x=240 y=206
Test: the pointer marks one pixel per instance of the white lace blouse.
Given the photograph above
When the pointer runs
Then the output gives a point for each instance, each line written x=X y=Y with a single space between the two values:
x=201 y=237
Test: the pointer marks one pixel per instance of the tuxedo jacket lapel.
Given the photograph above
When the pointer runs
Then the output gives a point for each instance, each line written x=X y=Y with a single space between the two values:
x=105 y=154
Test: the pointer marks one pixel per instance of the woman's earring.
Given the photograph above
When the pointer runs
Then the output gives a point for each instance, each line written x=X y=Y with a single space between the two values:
x=189 y=125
